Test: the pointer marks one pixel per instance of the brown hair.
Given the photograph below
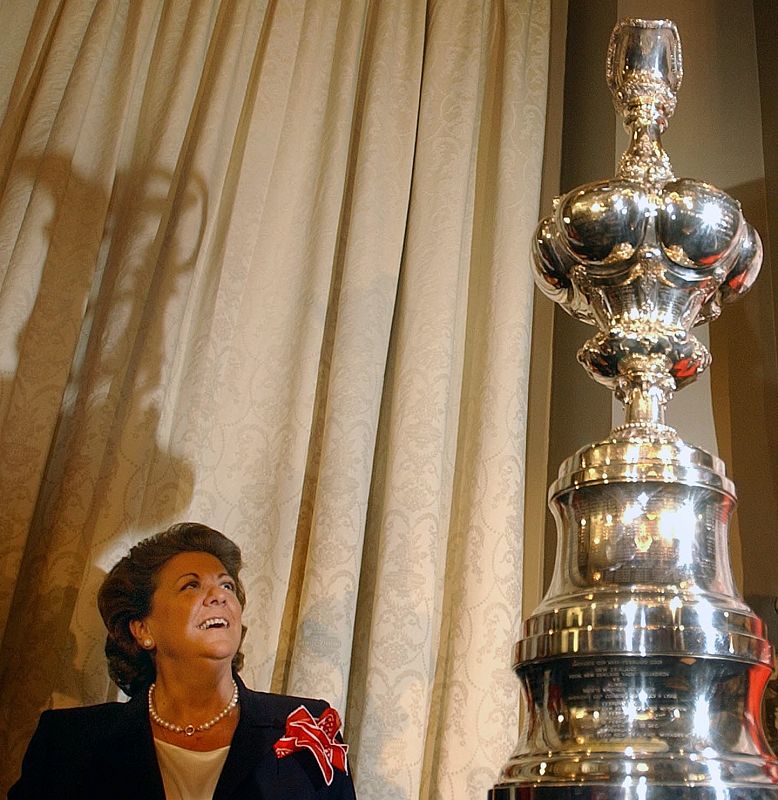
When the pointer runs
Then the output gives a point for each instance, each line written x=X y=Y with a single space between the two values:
x=128 y=588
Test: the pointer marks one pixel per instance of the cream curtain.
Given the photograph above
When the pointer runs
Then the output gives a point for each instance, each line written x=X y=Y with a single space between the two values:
x=264 y=265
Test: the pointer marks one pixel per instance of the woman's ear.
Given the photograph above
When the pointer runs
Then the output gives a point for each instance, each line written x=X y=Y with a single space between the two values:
x=140 y=632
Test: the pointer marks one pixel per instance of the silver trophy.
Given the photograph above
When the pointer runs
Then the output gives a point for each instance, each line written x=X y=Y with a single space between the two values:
x=643 y=669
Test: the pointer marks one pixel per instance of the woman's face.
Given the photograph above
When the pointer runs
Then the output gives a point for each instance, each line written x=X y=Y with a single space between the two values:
x=195 y=612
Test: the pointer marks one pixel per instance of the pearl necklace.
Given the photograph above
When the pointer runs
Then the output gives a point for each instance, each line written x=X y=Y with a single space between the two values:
x=189 y=730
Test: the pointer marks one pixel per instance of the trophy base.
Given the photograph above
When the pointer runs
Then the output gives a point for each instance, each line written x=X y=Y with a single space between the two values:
x=635 y=792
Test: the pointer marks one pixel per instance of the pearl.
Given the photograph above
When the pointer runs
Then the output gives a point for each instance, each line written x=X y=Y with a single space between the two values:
x=190 y=730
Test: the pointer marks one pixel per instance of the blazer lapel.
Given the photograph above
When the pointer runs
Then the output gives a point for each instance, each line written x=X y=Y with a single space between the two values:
x=127 y=758
x=254 y=738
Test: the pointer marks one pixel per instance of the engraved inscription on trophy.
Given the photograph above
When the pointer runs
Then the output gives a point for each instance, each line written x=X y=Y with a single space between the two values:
x=642 y=668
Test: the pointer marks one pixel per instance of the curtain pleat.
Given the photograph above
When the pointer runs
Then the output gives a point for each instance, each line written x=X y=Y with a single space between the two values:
x=264 y=265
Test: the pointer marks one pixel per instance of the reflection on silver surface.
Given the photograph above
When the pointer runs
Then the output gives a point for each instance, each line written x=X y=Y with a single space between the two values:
x=642 y=668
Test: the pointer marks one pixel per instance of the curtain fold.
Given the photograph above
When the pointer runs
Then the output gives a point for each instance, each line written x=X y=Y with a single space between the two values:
x=264 y=265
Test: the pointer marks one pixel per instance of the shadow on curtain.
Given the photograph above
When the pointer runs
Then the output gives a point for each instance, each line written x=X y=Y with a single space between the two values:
x=263 y=266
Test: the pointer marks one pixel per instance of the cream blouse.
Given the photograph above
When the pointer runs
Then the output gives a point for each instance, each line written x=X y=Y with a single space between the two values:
x=189 y=774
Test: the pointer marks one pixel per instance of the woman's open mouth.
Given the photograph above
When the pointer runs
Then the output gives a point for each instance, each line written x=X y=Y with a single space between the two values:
x=214 y=622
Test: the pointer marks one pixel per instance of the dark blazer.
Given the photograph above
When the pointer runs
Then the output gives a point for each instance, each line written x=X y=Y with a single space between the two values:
x=107 y=751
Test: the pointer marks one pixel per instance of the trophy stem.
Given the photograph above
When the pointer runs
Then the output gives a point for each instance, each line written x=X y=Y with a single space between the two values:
x=646 y=407
x=645 y=160
x=645 y=387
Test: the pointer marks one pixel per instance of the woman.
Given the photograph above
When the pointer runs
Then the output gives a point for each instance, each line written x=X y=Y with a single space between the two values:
x=191 y=730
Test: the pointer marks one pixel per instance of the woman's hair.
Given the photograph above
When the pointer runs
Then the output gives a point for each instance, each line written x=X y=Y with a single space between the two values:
x=127 y=591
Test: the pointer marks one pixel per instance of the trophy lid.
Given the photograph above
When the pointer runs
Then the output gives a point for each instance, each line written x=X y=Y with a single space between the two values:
x=644 y=66
x=645 y=256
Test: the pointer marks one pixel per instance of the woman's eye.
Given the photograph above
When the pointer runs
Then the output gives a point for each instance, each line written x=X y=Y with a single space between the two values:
x=190 y=585
x=229 y=585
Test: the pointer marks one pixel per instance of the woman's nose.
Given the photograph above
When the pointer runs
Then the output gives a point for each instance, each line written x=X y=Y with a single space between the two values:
x=217 y=595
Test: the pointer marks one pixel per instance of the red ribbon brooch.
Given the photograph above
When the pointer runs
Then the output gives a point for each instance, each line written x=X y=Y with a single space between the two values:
x=303 y=731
